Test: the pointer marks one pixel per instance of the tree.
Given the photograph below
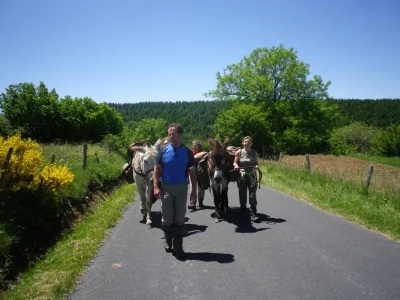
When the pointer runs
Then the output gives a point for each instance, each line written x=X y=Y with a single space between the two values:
x=267 y=76
x=5 y=127
x=356 y=137
x=151 y=129
x=241 y=120
x=296 y=107
x=44 y=117
x=387 y=141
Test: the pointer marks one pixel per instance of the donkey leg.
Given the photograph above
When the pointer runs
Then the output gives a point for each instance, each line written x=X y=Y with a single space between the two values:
x=142 y=194
x=217 y=209
x=149 y=203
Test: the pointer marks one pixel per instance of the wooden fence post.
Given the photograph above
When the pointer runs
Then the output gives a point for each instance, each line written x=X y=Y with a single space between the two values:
x=5 y=167
x=280 y=157
x=263 y=153
x=97 y=158
x=369 y=176
x=308 y=163
x=84 y=156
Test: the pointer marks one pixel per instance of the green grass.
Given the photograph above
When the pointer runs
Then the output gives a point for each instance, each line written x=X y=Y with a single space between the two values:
x=108 y=169
x=391 y=161
x=54 y=277
x=375 y=210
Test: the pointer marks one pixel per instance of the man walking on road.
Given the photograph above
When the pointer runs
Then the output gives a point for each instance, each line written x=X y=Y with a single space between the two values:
x=173 y=162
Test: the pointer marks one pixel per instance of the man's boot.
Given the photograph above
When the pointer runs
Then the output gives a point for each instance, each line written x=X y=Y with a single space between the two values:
x=168 y=238
x=253 y=215
x=178 y=242
x=201 y=202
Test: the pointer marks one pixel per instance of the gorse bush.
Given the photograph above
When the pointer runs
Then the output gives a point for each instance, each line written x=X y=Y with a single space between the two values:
x=25 y=169
x=30 y=202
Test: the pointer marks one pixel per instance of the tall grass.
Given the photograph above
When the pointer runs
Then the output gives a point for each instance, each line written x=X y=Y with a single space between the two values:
x=377 y=210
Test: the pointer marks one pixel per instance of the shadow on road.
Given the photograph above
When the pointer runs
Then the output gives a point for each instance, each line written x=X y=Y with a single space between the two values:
x=244 y=224
x=221 y=258
x=190 y=228
x=194 y=228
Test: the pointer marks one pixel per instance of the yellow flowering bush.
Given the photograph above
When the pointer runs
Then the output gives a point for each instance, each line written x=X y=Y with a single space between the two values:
x=24 y=171
x=53 y=176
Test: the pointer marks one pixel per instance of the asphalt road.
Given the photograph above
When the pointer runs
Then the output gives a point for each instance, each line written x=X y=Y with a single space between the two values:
x=295 y=252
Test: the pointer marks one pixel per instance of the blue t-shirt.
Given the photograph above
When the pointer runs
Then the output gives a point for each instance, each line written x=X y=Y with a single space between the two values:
x=175 y=162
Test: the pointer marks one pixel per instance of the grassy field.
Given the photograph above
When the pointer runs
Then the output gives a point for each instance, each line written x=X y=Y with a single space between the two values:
x=384 y=178
x=55 y=276
x=377 y=209
x=391 y=161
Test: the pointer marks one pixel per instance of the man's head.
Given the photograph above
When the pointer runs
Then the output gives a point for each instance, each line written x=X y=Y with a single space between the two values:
x=175 y=132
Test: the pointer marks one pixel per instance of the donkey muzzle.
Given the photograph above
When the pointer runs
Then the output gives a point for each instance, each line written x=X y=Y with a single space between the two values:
x=217 y=176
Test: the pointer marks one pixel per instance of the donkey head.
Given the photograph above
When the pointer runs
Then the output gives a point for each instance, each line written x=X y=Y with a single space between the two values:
x=218 y=159
x=144 y=160
x=160 y=142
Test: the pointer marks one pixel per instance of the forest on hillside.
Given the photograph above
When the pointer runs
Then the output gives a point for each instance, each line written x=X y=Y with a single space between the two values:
x=198 y=117
x=373 y=112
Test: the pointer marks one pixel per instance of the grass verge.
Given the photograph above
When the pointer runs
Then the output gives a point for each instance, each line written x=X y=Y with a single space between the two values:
x=55 y=276
x=376 y=210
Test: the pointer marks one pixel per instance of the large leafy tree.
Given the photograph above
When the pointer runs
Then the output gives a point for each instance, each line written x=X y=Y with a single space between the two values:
x=151 y=129
x=244 y=119
x=296 y=106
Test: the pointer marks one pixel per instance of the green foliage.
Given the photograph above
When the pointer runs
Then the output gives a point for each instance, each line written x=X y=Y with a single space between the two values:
x=356 y=137
x=387 y=141
x=302 y=126
x=151 y=129
x=5 y=127
x=243 y=119
x=44 y=117
x=299 y=116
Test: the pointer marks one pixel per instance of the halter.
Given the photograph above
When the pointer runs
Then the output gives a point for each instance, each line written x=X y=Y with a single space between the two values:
x=139 y=172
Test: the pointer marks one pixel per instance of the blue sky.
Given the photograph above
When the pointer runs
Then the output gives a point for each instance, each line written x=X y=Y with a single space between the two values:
x=135 y=51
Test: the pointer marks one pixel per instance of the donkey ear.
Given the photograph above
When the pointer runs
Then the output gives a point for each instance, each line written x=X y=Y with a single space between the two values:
x=210 y=141
x=137 y=149
x=227 y=141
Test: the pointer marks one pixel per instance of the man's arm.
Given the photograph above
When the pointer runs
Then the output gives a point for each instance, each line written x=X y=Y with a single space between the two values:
x=157 y=173
x=256 y=159
x=236 y=161
x=193 y=172
x=193 y=179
